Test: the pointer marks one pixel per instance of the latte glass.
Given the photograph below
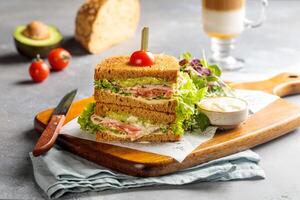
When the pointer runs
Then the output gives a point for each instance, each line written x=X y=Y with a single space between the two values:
x=223 y=21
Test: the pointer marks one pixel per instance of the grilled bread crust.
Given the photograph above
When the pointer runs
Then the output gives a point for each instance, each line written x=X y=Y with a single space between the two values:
x=161 y=105
x=156 y=117
x=156 y=138
x=118 y=68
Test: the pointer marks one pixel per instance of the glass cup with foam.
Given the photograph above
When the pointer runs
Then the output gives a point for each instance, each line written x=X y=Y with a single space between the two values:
x=223 y=21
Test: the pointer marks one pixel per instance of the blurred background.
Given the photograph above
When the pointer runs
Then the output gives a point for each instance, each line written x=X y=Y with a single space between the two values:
x=175 y=27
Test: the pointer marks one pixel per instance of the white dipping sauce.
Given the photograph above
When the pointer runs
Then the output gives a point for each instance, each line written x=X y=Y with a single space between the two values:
x=223 y=104
x=224 y=112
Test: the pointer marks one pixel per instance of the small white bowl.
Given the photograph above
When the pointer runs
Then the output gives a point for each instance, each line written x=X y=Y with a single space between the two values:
x=234 y=113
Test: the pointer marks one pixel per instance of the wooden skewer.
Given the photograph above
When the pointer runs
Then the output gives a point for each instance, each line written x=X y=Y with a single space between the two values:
x=145 y=38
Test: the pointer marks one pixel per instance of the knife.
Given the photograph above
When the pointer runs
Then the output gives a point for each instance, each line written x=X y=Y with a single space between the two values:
x=49 y=135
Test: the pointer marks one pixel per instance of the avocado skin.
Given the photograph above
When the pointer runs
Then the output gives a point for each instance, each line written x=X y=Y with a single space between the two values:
x=32 y=51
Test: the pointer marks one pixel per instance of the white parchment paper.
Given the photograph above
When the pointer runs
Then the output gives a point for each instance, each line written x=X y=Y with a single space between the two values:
x=257 y=100
x=177 y=150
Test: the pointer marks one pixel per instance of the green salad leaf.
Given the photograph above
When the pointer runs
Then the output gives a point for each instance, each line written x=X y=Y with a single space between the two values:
x=105 y=84
x=84 y=120
x=197 y=121
x=202 y=121
x=187 y=96
x=215 y=69
x=186 y=55
x=200 y=82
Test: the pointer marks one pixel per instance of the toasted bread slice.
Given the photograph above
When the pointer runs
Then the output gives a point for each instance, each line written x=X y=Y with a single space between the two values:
x=160 y=105
x=156 y=117
x=117 y=68
x=101 y=24
x=156 y=137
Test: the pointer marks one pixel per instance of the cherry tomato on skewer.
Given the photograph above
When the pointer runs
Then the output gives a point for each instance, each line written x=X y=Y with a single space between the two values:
x=142 y=58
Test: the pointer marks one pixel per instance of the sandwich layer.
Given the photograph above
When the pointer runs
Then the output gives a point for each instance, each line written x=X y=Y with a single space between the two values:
x=101 y=109
x=160 y=105
x=123 y=125
x=154 y=137
x=117 y=68
x=145 y=87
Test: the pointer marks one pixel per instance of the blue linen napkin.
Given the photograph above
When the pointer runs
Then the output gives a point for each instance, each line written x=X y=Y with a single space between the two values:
x=59 y=172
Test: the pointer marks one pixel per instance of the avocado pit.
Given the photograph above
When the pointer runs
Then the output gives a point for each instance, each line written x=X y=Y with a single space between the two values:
x=36 y=38
x=36 y=30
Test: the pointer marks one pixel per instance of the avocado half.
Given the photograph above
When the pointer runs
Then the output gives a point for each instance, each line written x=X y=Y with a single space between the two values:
x=30 y=48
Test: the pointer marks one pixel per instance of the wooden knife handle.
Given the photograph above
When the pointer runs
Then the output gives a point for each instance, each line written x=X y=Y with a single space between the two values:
x=49 y=135
x=283 y=84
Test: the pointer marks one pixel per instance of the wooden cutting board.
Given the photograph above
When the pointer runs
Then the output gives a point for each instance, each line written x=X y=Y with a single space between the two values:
x=275 y=120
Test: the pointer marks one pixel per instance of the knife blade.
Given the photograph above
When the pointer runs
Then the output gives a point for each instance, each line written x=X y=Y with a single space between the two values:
x=65 y=103
x=57 y=119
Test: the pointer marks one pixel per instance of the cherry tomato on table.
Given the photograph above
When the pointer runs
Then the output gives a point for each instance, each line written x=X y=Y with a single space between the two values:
x=141 y=58
x=39 y=70
x=59 y=59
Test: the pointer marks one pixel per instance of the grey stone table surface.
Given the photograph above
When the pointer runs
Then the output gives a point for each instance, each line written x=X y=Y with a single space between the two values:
x=175 y=28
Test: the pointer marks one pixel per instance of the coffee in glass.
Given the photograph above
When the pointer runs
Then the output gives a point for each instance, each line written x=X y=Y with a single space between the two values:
x=223 y=21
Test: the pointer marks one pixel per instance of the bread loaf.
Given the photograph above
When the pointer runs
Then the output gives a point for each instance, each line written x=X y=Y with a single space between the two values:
x=103 y=23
